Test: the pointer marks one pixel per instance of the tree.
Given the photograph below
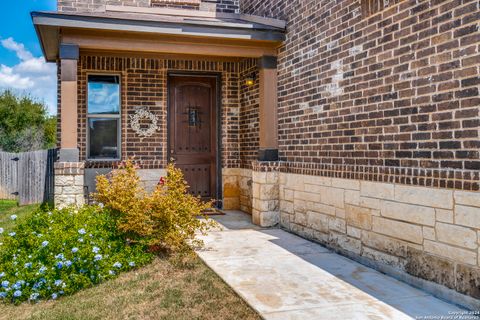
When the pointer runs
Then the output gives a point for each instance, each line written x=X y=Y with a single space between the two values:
x=25 y=124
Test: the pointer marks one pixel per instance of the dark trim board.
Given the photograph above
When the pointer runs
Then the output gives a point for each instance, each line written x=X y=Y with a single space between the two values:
x=218 y=124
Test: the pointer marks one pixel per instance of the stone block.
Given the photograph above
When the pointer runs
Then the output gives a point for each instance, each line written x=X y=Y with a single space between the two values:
x=456 y=235
x=453 y=253
x=443 y=215
x=333 y=197
x=307 y=196
x=400 y=230
x=349 y=184
x=354 y=232
x=230 y=188
x=340 y=213
x=468 y=280
x=430 y=267
x=72 y=190
x=295 y=182
x=259 y=177
x=318 y=180
x=269 y=192
x=320 y=207
x=352 y=197
x=358 y=217
x=383 y=258
x=467 y=216
x=299 y=205
x=61 y=180
x=377 y=190
x=338 y=225
x=384 y=243
x=300 y=218
x=471 y=199
x=431 y=197
x=371 y=203
x=79 y=180
x=266 y=205
x=429 y=233
x=231 y=203
x=286 y=206
x=317 y=221
x=266 y=219
x=272 y=177
x=408 y=212
x=344 y=242
x=288 y=194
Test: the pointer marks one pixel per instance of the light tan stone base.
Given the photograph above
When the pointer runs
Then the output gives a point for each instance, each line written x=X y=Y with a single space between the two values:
x=426 y=232
x=69 y=184
x=237 y=189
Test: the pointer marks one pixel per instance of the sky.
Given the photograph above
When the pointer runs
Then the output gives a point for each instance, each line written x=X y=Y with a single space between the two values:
x=22 y=66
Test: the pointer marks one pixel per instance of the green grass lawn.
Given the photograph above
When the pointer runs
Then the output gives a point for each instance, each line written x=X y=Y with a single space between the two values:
x=168 y=288
x=9 y=208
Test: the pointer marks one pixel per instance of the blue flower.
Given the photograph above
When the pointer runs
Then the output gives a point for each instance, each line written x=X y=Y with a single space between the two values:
x=34 y=296
x=1 y=230
x=112 y=273
x=54 y=296
x=2 y=274
x=16 y=286
x=96 y=249
x=42 y=269
x=131 y=264
x=82 y=231
x=12 y=234
x=5 y=283
x=97 y=257
x=13 y=217
x=58 y=282
x=44 y=243
x=59 y=265
x=3 y=295
x=28 y=265
x=61 y=292
x=60 y=256
x=80 y=239
x=17 y=294
x=117 y=265
x=68 y=263
x=74 y=250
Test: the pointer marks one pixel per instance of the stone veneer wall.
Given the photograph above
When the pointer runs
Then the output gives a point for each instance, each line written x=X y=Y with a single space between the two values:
x=430 y=233
x=69 y=184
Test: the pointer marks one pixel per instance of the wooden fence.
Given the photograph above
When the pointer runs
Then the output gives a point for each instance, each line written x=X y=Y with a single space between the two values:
x=27 y=176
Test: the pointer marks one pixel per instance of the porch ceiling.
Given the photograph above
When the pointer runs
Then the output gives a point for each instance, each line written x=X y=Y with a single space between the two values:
x=164 y=32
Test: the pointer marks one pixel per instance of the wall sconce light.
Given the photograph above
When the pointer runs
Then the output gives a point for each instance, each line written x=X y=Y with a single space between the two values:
x=250 y=80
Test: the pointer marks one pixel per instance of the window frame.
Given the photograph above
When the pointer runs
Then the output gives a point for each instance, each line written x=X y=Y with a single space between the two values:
x=118 y=116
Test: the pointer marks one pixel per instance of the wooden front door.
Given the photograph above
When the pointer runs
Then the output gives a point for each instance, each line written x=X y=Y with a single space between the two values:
x=193 y=131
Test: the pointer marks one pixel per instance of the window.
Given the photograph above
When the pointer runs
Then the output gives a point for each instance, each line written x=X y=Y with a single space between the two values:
x=103 y=134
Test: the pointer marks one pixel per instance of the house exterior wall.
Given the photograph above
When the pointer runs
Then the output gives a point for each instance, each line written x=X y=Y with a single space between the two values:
x=144 y=85
x=379 y=133
x=230 y=6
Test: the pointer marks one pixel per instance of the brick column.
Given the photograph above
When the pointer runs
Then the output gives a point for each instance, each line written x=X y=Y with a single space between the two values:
x=266 y=195
x=69 y=184
x=69 y=171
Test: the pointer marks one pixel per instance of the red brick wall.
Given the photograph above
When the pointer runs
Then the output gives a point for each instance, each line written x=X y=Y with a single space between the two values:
x=144 y=84
x=389 y=97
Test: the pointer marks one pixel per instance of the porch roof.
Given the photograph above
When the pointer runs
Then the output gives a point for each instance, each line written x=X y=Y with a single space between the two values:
x=53 y=27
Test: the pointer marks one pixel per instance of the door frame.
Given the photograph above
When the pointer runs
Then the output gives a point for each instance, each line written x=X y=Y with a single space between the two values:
x=218 y=124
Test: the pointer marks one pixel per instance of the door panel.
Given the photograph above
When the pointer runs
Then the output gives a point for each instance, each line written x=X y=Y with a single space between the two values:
x=192 y=131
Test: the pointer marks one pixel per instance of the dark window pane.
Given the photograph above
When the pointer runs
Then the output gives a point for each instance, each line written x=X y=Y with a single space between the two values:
x=103 y=94
x=103 y=138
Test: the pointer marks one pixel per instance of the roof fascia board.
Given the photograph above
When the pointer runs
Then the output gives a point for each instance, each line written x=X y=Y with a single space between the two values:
x=84 y=22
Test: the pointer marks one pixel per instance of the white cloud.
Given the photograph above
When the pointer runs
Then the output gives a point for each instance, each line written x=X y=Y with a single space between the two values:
x=32 y=75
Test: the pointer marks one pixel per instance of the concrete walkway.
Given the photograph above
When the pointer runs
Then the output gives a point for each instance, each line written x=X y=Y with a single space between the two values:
x=283 y=276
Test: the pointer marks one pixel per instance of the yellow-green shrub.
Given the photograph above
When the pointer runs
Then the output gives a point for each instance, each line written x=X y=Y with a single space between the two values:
x=166 y=218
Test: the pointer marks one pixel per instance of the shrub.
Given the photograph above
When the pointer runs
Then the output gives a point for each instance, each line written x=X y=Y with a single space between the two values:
x=166 y=218
x=51 y=254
